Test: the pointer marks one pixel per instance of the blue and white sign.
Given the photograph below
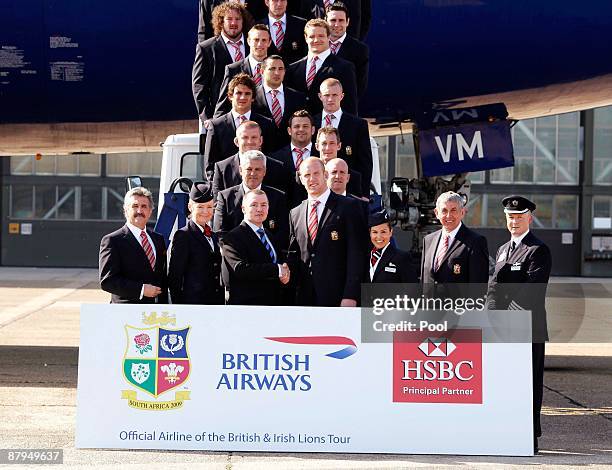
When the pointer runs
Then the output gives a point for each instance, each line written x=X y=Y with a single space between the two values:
x=470 y=147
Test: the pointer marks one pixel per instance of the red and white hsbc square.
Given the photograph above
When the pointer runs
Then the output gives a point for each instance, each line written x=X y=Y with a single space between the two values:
x=437 y=367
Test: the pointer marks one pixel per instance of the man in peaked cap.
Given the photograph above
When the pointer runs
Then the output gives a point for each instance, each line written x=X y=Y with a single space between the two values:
x=524 y=259
x=194 y=276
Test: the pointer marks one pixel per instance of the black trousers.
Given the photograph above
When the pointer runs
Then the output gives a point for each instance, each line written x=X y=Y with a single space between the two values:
x=537 y=360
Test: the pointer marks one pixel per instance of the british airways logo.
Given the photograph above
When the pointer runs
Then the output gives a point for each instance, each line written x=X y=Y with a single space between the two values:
x=278 y=372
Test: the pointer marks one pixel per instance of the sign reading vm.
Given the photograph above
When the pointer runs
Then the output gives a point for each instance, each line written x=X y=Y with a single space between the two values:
x=469 y=147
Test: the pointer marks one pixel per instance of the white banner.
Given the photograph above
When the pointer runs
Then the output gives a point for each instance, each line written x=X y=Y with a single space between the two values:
x=294 y=379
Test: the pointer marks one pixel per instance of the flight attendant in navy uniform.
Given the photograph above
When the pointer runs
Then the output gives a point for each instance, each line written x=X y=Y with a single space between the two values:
x=386 y=263
x=524 y=260
x=194 y=275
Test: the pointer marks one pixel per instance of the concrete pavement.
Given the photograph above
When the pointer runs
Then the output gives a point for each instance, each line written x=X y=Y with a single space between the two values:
x=39 y=333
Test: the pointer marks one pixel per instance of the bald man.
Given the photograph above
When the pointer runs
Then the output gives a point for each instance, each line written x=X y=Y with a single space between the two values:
x=326 y=243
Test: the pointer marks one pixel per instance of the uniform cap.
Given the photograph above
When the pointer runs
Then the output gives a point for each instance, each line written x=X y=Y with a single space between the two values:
x=378 y=218
x=201 y=191
x=517 y=205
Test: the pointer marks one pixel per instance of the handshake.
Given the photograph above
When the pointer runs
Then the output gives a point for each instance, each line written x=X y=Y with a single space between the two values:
x=284 y=273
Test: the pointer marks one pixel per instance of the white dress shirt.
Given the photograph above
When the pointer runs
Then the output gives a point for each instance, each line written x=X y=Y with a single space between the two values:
x=280 y=96
x=271 y=22
x=136 y=232
x=339 y=42
x=232 y=49
x=307 y=150
x=322 y=57
x=208 y=239
x=373 y=268
x=335 y=120
x=253 y=64
x=255 y=228
x=323 y=200
x=451 y=238
x=236 y=117
x=517 y=240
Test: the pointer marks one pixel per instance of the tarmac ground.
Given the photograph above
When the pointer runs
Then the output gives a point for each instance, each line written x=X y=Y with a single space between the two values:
x=39 y=339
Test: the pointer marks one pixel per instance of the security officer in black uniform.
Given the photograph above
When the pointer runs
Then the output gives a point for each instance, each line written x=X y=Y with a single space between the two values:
x=194 y=276
x=524 y=260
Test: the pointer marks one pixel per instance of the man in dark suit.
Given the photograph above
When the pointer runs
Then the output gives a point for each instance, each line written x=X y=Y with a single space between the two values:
x=228 y=210
x=307 y=74
x=454 y=256
x=328 y=145
x=348 y=47
x=386 y=263
x=227 y=172
x=230 y=19
x=252 y=263
x=256 y=8
x=300 y=129
x=221 y=132
x=353 y=132
x=287 y=31
x=360 y=12
x=133 y=258
x=519 y=282
x=194 y=273
x=276 y=101
x=259 y=41
x=326 y=243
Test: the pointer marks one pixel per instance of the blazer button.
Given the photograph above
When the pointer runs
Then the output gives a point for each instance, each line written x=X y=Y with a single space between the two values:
x=313 y=255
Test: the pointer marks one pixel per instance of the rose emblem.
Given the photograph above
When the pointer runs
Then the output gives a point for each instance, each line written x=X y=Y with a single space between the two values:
x=142 y=343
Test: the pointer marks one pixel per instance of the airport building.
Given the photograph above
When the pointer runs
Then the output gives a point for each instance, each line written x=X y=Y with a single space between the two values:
x=57 y=207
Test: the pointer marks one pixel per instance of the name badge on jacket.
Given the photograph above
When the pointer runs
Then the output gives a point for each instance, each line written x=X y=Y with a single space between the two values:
x=389 y=269
x=516 y=267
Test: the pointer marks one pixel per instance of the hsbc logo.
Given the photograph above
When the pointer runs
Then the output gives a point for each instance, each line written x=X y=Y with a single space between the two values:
x=437 y=370
x=437 y=347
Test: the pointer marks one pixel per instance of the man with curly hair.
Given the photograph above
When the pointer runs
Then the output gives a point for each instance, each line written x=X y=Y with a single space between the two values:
x=228 y=45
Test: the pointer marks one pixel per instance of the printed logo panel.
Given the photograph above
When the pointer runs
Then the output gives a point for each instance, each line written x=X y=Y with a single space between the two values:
x=437 y=369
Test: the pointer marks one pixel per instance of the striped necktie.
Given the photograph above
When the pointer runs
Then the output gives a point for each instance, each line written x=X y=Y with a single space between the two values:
x=334 y=46
x=277 y=113
x=257 y=76
x=313 y=221
x=237 y=51
x=311 y=72
x=299 y=156
x=441 y=252
x=262 y=235
x=328 y=120
x=148 y=249
x=376 y=254
x=280 y=35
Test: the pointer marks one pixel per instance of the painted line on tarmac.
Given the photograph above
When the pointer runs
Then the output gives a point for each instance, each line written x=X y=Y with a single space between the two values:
x=13 y=314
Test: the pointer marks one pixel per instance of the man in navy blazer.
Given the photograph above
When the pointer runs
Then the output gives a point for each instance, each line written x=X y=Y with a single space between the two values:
x=228 y=209
x=259 y=41
x=346 y=46
x=307 y=74
x=354 y=133
x=326 y=248
x=360 y=12
x=221 y=132
x=227 y=172
x=275 y=100
x=253 y=267
x=256 y=9
x=287 y=31
x=133 y=258
x=455 y=259
x=230 y=19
